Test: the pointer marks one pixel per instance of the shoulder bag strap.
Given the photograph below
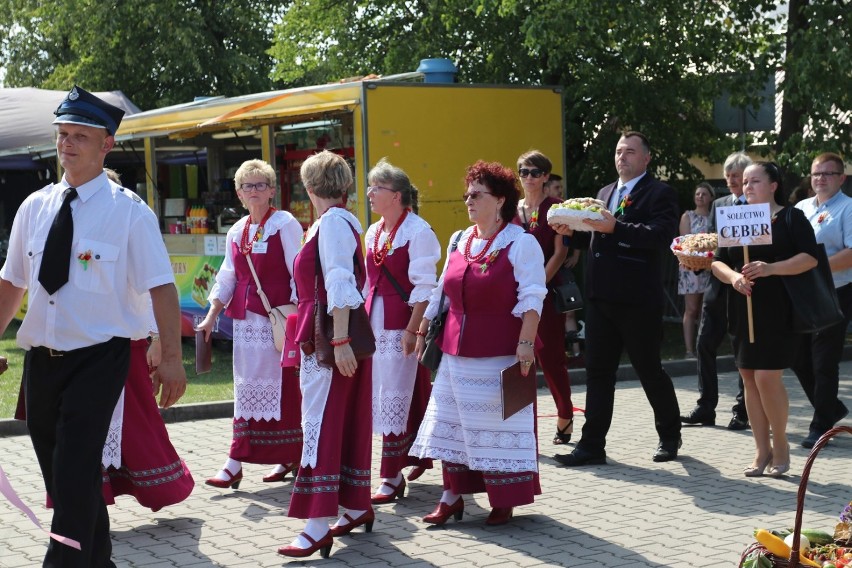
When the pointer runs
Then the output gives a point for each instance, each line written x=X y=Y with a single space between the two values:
x=266 y=305
x=395 y=284
x=443 y=293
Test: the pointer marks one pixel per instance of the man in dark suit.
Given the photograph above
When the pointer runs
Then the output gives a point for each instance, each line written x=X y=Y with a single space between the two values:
x=625 y=300
x=714 y=319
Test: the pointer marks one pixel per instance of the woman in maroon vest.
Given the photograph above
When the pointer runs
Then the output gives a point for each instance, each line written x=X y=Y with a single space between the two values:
x=534 y=170
x=266 y=397
x=402 y=251
x=494 y=285
x=335 y=465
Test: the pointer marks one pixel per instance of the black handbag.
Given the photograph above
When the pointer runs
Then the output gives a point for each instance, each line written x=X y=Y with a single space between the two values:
x=432 y=354
x=813 y=298
x=566 y=296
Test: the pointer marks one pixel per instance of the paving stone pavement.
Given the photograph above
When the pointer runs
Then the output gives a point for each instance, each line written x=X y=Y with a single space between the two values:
x=697 y=511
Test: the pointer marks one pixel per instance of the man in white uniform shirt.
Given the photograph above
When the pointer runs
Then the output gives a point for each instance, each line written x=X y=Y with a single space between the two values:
x=818 y=361
x=84 y=307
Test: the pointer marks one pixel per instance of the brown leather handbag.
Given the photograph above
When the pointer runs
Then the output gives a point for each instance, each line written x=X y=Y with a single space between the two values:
x=363 y=342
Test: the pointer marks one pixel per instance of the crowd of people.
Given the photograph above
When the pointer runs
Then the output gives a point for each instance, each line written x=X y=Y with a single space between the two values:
x=493 y=297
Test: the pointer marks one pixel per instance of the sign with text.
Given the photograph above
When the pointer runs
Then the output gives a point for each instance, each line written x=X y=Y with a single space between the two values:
x=744 y=225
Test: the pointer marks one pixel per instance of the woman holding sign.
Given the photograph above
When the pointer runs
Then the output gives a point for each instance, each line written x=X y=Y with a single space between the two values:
x=754 y=272
x=494 y=285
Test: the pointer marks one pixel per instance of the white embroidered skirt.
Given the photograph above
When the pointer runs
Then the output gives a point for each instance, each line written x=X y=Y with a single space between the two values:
x=464 y=420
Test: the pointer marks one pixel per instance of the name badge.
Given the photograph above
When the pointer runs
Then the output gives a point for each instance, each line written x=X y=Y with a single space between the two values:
x=259 y=247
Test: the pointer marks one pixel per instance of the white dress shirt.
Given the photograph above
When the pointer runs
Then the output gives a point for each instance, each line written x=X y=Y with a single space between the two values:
x=118 y=256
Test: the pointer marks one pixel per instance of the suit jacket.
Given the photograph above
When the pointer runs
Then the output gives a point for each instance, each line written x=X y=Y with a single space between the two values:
x=715 y=290
x=625 y=266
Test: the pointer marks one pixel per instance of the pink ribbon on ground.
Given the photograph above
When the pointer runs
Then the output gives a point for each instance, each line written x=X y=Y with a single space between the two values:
x=9 y=492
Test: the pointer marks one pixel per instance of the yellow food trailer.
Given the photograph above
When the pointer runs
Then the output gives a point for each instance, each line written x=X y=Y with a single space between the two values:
x=432 y=130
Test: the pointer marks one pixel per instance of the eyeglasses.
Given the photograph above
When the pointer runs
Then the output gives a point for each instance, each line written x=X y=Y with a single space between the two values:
x=535 y=172
x=818 y=175
x=375 y=188
x=475 y=195
x=249 y=187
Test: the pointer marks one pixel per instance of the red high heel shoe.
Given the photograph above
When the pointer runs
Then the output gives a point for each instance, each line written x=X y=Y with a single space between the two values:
x=323 y=545
x=416 y=472
x=499 y=516
x=365 y=519
x=443 y=512
x=272 y=477
x=233 y=481
x=381 y=498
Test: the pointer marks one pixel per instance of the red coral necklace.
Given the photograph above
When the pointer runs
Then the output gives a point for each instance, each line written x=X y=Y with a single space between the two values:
x=381 y=253
x=247 y=244
x=466 y=254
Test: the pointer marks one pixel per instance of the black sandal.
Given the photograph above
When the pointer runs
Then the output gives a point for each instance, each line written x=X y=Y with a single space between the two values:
x=563 y=436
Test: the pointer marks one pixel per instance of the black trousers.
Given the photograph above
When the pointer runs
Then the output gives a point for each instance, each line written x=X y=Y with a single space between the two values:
x=712 y=330
x=70 y=401
x=638 y=329
x=817 y=367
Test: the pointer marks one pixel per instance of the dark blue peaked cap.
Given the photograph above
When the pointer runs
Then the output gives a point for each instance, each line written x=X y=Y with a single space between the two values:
x=82 y=107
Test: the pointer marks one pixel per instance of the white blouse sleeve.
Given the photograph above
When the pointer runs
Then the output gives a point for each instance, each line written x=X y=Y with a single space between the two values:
x=291 y=240
x=226 y=277
x=424 y=252
x=336 y=250
x=438 y=290
x=528 y=265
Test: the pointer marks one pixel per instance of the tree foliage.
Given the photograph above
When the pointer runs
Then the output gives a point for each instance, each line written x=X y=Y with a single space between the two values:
x=652 y=66
x=158 y=53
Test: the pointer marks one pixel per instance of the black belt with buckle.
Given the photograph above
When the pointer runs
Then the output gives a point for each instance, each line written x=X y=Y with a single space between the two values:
x=50 y=352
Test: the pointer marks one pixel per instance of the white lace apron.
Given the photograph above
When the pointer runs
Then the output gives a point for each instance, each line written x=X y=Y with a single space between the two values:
x=257 y=370
x=393 y=375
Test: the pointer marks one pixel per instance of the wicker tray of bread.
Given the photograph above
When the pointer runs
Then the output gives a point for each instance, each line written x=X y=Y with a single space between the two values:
x=695 y=251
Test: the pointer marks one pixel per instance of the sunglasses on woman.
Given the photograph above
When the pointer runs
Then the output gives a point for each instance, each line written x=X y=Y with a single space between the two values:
x=474 y=195
x=534 y=172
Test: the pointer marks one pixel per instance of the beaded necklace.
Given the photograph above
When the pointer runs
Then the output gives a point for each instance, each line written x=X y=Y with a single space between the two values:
x=475 y=235
x=247 y=244
x=381 y=253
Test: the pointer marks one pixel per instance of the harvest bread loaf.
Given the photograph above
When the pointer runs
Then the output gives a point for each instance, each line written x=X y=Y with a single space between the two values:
x=576 y=210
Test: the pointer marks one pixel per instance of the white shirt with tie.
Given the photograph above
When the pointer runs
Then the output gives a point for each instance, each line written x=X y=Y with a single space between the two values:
x=617 y=196
x=118 y=256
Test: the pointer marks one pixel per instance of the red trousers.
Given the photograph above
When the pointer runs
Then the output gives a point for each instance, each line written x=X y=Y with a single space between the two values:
x=551 y=357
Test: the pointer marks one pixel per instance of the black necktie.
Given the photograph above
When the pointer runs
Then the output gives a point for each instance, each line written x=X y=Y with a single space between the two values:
x=56 y=260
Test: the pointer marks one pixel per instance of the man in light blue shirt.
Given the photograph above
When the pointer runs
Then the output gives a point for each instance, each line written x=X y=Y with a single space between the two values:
x=817 y=366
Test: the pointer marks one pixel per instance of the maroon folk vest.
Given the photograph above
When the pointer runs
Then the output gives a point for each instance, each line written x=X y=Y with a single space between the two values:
x=397 y=311
x=480 y=321
x=272 y=272
x=305 y=268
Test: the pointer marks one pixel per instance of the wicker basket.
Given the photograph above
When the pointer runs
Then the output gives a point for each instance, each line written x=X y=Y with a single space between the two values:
x=690 y=261
x=793 y=561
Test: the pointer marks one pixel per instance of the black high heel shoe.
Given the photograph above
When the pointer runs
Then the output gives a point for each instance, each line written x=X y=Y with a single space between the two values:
x=563 y=435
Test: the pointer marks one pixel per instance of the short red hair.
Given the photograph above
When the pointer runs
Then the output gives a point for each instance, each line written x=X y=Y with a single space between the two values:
x=500 y=181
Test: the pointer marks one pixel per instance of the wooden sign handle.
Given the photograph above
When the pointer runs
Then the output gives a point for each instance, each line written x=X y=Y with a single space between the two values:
x=748 y=303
